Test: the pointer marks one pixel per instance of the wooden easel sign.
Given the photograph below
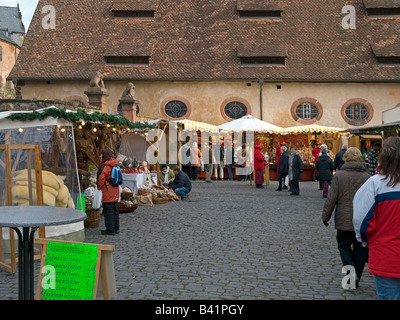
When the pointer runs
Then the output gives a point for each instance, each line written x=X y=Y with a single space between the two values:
x=71 y=271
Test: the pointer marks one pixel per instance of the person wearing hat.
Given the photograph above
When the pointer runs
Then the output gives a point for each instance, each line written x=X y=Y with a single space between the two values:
x=259 y=165
x=166 y=175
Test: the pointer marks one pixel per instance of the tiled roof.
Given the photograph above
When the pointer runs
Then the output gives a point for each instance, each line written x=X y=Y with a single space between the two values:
x=201 y=39
x=10 y=20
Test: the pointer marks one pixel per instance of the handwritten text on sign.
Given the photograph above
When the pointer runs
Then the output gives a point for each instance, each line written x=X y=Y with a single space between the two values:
x=75 y=271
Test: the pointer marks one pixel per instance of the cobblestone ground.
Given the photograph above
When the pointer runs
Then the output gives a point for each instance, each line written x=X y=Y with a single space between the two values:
x=228 y=241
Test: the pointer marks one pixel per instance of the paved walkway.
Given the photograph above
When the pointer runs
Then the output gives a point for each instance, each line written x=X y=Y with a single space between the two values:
x=229 y=241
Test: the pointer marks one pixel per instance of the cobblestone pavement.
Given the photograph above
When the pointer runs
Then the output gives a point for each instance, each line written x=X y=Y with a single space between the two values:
x=228 y=241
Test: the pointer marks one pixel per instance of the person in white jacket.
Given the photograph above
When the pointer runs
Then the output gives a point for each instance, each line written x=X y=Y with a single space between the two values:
x=376 y=221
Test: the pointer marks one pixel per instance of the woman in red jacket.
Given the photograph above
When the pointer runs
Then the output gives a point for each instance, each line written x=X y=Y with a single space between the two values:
x=259 y=165
x=110 y=193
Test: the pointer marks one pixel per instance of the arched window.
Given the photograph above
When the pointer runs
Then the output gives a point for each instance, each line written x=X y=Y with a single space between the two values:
x=176 y=109
x=306 y=110
x=357 y=112
x=235 y=110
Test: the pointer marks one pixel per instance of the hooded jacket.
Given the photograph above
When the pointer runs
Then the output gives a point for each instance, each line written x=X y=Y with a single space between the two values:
x=110 y=193
x=377 y=224
x=345 y=184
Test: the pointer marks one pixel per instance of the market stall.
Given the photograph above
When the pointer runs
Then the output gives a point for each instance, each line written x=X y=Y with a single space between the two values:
x=365 y=137
x=305 y=139
x=263 y=131
x=60 y=181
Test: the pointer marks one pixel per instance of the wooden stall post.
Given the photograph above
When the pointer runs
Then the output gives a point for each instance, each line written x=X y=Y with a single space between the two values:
x=10 y=265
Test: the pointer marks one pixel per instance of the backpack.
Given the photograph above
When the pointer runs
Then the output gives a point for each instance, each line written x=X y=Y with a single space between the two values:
x=115 y=178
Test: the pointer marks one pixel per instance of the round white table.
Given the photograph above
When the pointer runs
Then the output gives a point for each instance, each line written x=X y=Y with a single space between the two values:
x=29 y=218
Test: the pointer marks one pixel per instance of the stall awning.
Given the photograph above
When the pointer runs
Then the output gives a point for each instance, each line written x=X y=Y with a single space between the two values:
x=190 y=125
x=249 y=123
x=310 y=129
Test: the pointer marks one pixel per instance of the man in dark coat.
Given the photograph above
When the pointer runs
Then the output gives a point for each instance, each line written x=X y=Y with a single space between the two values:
x=181 y=184
x=283 y=167
x=325 y=168
x=295 y=171
x=338 y=162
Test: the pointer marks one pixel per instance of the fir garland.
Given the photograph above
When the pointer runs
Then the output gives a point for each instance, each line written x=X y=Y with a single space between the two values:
x=79 y=116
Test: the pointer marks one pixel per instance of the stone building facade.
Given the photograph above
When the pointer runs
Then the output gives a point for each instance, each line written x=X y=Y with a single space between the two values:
x=286 y=62
x=12 y=34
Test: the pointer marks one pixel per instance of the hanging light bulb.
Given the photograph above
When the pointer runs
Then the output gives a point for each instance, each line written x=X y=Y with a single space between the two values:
x=94 y=129
x=83 y=123
x=21 y=130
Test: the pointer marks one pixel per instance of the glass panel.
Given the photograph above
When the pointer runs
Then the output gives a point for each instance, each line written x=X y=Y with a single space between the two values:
x=307 y=111
x=59 y=171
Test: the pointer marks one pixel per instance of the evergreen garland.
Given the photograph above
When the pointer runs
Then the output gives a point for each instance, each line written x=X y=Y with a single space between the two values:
x=80 y=115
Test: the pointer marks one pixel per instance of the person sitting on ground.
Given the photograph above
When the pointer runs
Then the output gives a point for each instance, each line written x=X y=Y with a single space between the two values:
x=181 y=184
x=166 y=175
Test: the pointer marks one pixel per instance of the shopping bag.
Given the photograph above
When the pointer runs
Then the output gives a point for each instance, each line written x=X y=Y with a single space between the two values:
x=97 y=198
x=287 y=181
x=80 y=202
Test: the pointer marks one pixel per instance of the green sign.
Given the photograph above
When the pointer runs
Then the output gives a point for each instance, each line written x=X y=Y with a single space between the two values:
x=70 y=271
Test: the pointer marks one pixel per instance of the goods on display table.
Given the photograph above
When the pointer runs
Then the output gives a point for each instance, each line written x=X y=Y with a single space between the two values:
x=147 y=196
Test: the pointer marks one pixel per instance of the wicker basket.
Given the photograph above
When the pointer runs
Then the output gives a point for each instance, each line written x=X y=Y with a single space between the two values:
x=160 y=200
x=93 y=218
x=124 y=208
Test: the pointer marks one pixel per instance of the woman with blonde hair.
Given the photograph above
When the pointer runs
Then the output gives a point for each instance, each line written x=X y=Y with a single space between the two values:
x=345 y=184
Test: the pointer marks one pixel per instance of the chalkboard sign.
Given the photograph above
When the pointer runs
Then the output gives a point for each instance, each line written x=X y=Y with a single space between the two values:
x=74 y=270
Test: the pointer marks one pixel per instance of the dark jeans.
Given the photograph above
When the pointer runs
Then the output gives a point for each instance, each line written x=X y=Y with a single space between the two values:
x=351 y=251
x=230 y=175
x=294 y=187
x=186 y=169
x=111 y=217
x=195 y=172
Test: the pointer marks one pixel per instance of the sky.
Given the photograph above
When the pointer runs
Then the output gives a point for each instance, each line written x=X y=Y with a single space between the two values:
x=27 y=8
